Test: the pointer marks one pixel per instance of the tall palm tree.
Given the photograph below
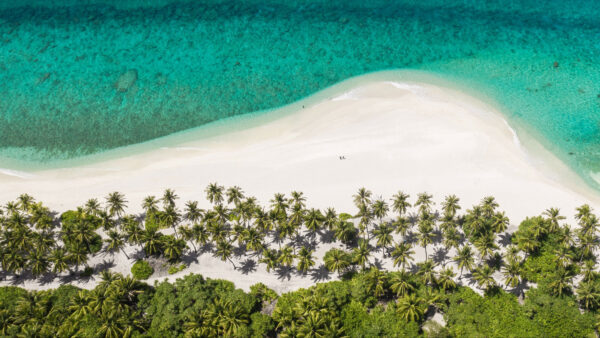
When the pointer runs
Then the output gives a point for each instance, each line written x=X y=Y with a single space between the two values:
x=192 y=212
x=38 y=262
x=116 y=203
x=464 y=259
x=380 y=208
x=400 y=203
x=402 y=254
x=270 y=258
x=425 y=235
x=313 y=220
x=279 y=205
x=224 y=251
x=330 y=218
x=92 y=206
x=173 y=247
x=583 y=212
x=286 y=256
x=561 y=281
x=59 y=260
x=486 y=245
x=297 y=198
x=214 y=193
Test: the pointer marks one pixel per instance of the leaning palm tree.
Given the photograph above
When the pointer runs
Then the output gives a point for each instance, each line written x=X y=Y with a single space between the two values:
x=297 y=198
x=169 y=198
x=224 y=251
x=464 y=259
x=92 y=206
x=450 y=206
x=411 y=308
x=150 y=205
x=402 y=254
x=270 y=258
x=116 y=203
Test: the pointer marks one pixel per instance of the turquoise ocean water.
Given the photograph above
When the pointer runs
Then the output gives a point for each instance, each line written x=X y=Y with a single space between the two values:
x=82 y=77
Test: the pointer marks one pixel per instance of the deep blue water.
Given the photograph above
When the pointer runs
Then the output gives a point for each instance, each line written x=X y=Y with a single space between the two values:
x=80 y=77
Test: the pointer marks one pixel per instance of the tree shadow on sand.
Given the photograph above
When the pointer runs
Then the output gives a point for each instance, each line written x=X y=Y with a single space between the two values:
x=320 y=274
x=284 y=272
x=247 y=266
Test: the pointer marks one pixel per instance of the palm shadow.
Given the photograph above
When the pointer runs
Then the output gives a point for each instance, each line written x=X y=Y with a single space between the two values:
x=320 y=274
x=284 y=272
x=440 y=255
x=505 y=239
x=327 y=236
x=247 y=266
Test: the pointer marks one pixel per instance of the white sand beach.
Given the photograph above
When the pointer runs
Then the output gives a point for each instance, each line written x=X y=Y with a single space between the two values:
x=413 y=137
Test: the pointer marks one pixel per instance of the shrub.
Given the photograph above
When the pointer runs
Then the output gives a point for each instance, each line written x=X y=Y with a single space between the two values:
x=141 y=270
x=176 y=268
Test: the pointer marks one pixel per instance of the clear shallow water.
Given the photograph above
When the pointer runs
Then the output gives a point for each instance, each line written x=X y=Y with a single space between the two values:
x=81 y=77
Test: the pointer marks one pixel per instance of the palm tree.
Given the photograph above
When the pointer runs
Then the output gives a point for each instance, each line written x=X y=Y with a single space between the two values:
x=400 y=203
x=583 y=212
x=411 y=308
x=150 y=205
x=401 y=284
x=483 y=275
x=424 y=202
x=38 y=262
x=169 y=197
x=486 y=245
x=191 y=212
x=376 y=282
x=425 y=235
x=116 y=203
x=380 y=209
x=345 y=231
x=313 y=220
x=279 y=205
x=336 y=260
x=563 y=256
x=500 y=222
x=115 y=242
x=384 y=237
x=173 y=247
x=152 y=240
x=59 y=260
x=446 y=279
x=305 y=260
x=214 y=193
x=427 y=271
x=561 y=281
x=402 y=225
x=297 y=198
x=464 y=259
x=450 y=206
x=224 y=251
x=234 y=195
x=92 y=206
x=79 y=305
x=588 y=295
x=588 y=271
x=286 y=256
x=554 y=217
x=361 y=254
x=512 y=273
x=270 y=258
x=330 y=219
x=362 y=197
x=402 y=254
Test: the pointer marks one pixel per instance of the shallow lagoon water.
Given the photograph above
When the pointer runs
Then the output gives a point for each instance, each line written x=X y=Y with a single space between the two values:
x=83 y=77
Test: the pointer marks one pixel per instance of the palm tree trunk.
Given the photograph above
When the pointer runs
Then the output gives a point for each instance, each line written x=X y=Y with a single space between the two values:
x=123 y=251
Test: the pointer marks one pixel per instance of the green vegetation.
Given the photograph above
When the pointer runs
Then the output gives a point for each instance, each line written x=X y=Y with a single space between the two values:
x=538 y=281
x=173 y=269
x=141 y=270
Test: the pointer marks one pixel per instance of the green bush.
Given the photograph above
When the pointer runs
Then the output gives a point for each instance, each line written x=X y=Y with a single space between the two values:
x=176 y=268
x=141 y=270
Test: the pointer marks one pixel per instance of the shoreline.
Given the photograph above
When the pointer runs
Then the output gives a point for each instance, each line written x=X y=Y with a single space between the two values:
x=408 y=136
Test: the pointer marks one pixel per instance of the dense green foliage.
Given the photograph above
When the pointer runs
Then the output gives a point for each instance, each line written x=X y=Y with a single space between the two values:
x=368 y=300
x=141 y=270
